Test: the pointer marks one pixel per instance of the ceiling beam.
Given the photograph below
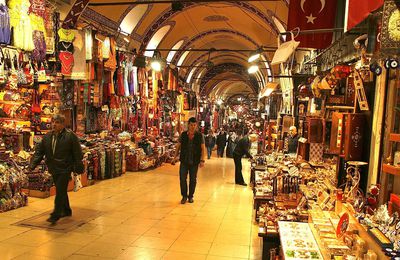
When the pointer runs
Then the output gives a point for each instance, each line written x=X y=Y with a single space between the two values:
x=172 y=1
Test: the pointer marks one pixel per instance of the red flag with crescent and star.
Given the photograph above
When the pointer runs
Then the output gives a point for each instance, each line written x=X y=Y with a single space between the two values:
x=312 y=15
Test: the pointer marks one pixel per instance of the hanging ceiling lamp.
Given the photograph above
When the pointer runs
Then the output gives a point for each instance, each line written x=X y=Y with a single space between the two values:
x=156 y=62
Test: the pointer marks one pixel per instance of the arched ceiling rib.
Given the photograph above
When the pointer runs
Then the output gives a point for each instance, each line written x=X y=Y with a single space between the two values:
x=169 y=13
x=219 y=25
x=215 y=31
x=227 y=67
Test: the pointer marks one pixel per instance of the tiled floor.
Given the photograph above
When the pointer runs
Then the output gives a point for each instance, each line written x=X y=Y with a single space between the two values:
x=141 y=218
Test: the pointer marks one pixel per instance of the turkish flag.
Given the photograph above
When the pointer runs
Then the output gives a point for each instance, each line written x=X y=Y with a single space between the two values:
x=358 y=10
x=312 y=15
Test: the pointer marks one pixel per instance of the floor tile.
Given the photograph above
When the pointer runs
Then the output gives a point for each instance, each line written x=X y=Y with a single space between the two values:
x=163 y=232
x=154 y=242
x=76 y=238
x=182 y=256
x=229 y=250
x=9 y=251
x=55 y=250
x=102 y=250
x=196 y=247
x=33 y=238
x=140 y=253
x=115 y=238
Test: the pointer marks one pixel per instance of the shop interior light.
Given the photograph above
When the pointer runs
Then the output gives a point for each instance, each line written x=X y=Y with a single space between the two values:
x=126 y=39
x=155 y=65
x=156 y=61
x=252 y=69
x=219 y=102
x=254 y=56
x=258 y=124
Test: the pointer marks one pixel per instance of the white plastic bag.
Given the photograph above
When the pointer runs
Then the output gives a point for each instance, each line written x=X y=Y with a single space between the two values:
x=77 y=181
x=284 y=51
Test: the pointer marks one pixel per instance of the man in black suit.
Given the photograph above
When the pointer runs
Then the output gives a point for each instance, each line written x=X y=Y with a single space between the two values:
x=63 y=155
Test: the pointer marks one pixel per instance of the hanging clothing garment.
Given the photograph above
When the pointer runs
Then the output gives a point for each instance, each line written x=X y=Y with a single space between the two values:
x=67 y=62
x=111 y=63
x=5 y=29
x=126 y=84
x=106 y=48
x=79 y=70
x=39 y=53
x=89 y=44
x=66 y=35
x=21 y=23
x=65 y=46
x=37 y=7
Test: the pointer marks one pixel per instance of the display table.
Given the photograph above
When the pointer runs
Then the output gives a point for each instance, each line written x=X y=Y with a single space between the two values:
x=298 y=241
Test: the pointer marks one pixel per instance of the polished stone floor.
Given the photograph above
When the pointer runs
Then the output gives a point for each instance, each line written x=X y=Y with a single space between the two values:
x=141 y=218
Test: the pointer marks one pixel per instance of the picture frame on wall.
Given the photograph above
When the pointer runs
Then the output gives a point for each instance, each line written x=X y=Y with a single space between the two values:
x=390 y=32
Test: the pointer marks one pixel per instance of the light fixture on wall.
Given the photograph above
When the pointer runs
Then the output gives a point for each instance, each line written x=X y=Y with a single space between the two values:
x=255 y=55
x=253 y=69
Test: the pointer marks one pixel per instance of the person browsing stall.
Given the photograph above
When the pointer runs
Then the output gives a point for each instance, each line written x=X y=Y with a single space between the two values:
x=242 y=148
x=192 y=149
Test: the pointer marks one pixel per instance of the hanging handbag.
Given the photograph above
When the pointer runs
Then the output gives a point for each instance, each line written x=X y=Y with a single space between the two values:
x=42 y=74
x=3 y=76
x=20 y=70
x=35 y=104
x=13 y=77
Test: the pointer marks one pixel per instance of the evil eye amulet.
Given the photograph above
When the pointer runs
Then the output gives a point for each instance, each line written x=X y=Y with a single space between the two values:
x=394 y=63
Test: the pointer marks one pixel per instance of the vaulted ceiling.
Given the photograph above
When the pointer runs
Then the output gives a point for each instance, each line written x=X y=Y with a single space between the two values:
x=235 y=26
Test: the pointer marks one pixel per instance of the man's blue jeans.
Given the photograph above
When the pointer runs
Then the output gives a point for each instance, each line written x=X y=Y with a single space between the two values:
x=184 y=169
x=209 y=151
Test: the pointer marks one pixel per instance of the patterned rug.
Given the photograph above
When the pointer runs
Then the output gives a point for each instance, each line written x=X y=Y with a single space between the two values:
x=79 y=217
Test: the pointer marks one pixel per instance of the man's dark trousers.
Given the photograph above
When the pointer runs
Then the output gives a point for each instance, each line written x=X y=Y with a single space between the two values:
x=238 y=169
x=61 y=202
x=184 y=169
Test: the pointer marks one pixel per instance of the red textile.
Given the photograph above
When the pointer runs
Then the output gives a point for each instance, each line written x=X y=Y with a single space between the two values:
x=311 y=15
x=358 y=10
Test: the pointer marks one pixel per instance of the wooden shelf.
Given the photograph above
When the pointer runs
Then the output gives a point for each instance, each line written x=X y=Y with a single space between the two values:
x=12 y=102
x=394 y=137
x=390 y=169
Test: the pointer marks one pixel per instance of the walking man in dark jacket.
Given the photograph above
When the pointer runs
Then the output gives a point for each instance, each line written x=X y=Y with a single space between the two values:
x=210 y=143
x=221 y=143
x=63 y=155
x=192 y=152
x=242 y=148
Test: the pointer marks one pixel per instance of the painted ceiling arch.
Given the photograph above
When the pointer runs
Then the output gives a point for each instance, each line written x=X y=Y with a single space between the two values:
x=216 y=31
x=223 y=84
x=225 y=89
x=219 y=25
x=169 y=14
x=227 y=67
